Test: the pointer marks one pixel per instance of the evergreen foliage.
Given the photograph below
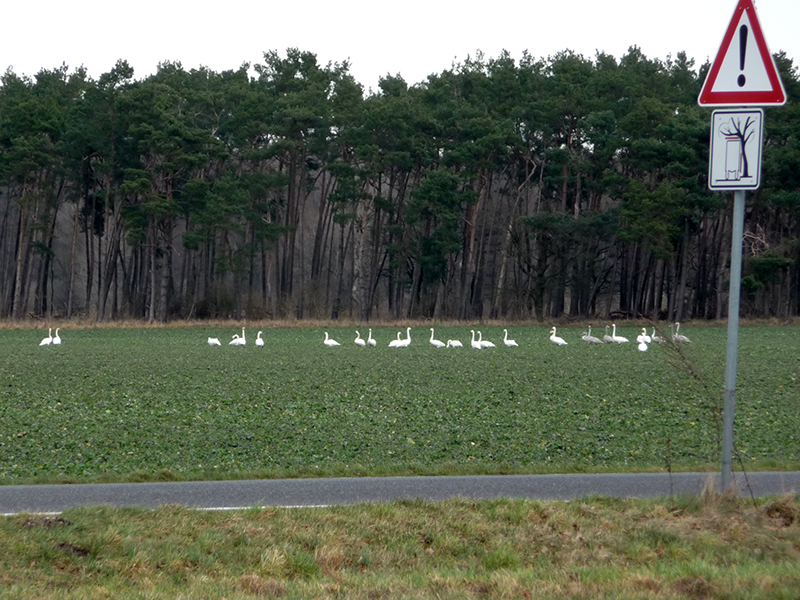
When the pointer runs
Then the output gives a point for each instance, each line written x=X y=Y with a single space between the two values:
x=546 y=188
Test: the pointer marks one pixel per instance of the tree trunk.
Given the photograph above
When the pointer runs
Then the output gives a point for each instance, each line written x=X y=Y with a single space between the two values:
x=684 y=275
x=16 y=308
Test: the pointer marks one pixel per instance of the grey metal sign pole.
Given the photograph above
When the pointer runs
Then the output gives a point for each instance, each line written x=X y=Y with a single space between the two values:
x=735 y=161
x=733 y=337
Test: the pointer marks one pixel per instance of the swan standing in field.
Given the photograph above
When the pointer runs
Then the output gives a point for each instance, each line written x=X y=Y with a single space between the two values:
x=454 y=344
x=555 y=339
x=370 y=340
x=588 y=337
x=475 y=344
x=238 y=341
x=396 y=343
x=359 y=341
x=508 y=342
x=656 y=338
x=617 y=338
x=57 y=338
x=406 y=342
x=214 y=342
x=679 y=337
x=49 y=339
x=259 y=341
x=436 y=343
x=607 y=339
x=330 y=342
x=484 y=343
x=643 y=339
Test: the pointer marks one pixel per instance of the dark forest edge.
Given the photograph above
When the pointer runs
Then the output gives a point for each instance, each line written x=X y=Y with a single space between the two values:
x=522 y=190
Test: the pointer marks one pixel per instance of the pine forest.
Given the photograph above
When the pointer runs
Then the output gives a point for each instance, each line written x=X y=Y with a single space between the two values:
x=565 y=187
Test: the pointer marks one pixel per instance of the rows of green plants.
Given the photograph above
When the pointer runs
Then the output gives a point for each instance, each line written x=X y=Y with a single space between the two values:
x=146 y=403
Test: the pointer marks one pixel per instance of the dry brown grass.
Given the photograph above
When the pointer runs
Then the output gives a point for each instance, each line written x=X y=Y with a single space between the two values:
x=85 y=322
x=698 y=548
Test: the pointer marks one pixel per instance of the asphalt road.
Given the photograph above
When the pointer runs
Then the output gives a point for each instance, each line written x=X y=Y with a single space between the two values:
x=224 y=495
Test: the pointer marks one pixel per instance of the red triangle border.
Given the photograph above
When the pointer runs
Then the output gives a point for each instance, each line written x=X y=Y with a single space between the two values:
x=776 y=96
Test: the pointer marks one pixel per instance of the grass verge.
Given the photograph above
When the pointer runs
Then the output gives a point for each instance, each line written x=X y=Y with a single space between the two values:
x=711 y=546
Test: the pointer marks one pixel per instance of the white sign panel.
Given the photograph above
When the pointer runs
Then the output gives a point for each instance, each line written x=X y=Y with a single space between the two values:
x=744 y=72
x=736 y=140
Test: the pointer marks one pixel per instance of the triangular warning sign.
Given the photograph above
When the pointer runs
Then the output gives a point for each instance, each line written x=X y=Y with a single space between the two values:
x=743 y=73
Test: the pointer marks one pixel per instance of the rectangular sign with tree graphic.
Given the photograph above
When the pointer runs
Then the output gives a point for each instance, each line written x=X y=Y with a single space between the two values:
x=735 y=162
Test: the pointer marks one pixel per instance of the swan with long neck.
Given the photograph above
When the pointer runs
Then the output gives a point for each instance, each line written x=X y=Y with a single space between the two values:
x=434 y=342
x=370 y=340
x=57 y=338
x=679 y=337
x=558 y=341
x=475 y=344
x=330 y=342
x=259 y=340
x=617 y=338
x=238 y=341
x=49 y=339
x=588 y=337
x=397 y=342
x=484 y=343
x=508 y=342
x=359 y=341
x=607 y=338
x=406 y=342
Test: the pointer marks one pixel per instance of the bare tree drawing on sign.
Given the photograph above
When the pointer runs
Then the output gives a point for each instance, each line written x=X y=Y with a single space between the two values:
x=735 y=128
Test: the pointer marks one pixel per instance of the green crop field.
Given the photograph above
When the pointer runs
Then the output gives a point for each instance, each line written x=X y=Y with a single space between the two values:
x=132 y=404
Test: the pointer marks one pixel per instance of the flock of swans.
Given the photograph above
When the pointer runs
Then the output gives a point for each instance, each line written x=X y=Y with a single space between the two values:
x=643 y=339
x=51 y=339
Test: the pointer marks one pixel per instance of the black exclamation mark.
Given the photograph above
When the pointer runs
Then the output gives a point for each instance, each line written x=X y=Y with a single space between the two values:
x=742 y=49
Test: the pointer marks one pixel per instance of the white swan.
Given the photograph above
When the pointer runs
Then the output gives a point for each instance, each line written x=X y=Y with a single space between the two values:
x=454 y=344
x=238 y=341
x=436 y=343
x=558 y=341
x=617 y=338
x=643 y=337
x=214 y=342
x=588 y=337
x=396 y=343
x=57 y=338
x=679 y=337
x=508 y=342
x=259 y=340
x=49 y=339
x=657 y=338
x=359 y=341
x=370 y=340
x=484 y=343
x=406 y=342
x=607 y=338
x=642 y=346
x=475 y=344
x=330 y=342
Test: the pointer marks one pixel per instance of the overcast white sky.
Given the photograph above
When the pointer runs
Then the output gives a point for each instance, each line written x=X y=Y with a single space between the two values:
x=412 y=38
